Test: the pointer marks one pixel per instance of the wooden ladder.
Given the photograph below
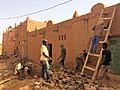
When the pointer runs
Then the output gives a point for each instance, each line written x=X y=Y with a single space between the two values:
x=99 y=56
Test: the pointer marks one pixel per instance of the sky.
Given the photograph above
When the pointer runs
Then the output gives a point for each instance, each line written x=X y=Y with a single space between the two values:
x=13 y=8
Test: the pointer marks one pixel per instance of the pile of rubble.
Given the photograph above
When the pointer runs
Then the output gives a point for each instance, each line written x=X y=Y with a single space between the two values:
x=59 y=80
x=66 y=80
x=62 y=80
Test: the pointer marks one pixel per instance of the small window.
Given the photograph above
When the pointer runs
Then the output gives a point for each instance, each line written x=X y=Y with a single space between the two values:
x=8 y=34
x=65 y=37
x=62 y=37
x=19 y=43
x=59 y=37
x=16 y=48
x=17 y=34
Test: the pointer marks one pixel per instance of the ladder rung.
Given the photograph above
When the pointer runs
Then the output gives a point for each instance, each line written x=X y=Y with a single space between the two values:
x=105 y=13
x=105 y=18
x=106 y=29
x=96 y=55
x=101 y=41
x=92 y=69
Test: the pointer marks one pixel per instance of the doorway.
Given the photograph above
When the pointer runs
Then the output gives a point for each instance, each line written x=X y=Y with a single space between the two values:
x=50 y=51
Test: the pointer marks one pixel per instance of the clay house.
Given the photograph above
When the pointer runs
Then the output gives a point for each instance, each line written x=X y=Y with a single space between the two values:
x=16 y=38
x=74 y=33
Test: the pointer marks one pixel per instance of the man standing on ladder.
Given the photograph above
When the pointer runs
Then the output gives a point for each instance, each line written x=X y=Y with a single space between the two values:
x=98 y=32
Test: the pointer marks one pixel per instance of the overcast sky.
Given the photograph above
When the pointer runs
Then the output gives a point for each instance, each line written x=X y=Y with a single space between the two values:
x=12 y=8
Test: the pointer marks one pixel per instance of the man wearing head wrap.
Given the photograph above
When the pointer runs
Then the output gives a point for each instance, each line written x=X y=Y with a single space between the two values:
x=62 y=56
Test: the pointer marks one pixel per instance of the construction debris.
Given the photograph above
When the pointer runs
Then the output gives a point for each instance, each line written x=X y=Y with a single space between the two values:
x=59 y=80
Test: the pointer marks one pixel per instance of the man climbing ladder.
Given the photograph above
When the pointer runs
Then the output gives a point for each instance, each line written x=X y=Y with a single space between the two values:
x=98 y=33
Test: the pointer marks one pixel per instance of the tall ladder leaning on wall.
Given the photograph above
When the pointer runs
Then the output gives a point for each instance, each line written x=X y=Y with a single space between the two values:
x=95 y=70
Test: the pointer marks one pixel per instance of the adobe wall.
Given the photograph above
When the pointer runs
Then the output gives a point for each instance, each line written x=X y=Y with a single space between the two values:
x=13 y=38
x=17 y=37
x=20 y=36
x=34 y=25
x=22 y=33
x=8 y=44
x=74 y=33
x=115 y=29
x=34 y=44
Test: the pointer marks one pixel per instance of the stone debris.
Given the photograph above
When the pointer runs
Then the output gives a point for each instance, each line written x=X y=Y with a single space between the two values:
x=1 y=86
x=25 y=88
x=35 y=76
x=60 y=84
x=88 y=87
x=72 y=82
x=59 y=80
x=37 y=88
x=48 y=84
x=62 y=80
x=79 y=82
x=104 y=88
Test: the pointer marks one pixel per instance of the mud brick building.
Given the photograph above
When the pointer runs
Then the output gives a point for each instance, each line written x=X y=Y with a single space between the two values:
x=74 y=33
